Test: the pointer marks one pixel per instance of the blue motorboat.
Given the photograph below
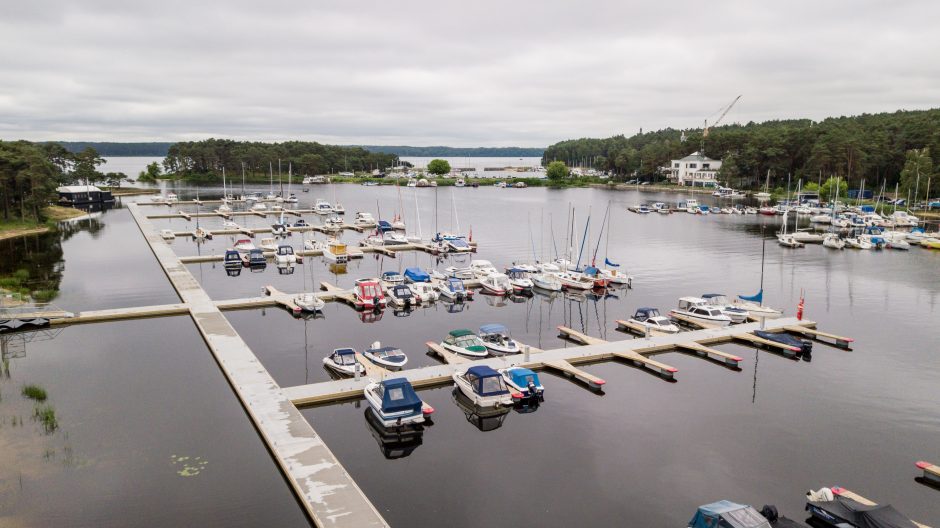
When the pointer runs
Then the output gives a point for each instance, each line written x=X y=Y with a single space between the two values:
x=233 y=260
x=392 y=277
x=395 y=402
x=525 y=381
x=727 y=514
x=256 y=260
x=416 y=275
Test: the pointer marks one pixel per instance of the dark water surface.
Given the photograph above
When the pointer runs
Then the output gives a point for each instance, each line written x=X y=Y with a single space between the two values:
x=644 y=453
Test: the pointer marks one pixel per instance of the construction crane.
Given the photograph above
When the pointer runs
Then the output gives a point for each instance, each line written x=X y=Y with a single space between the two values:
x=724 y=111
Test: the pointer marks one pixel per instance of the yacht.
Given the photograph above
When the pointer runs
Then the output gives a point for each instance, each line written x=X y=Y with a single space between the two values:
x=832 y=240
x=720 y=301
x=322 y=207
x=574 y=280
x=364 y=219
x=656 y=323
x=697 y=310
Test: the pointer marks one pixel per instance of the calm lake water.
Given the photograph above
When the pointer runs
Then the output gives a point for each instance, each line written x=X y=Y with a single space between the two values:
x=133 y=397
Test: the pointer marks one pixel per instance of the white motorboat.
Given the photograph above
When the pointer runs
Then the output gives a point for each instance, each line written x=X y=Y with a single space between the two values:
x=460 y=183
x=788 y=240
x=720 y=301
x=412 y=183
x=401 y=295
x=897 y=240
x=857 y=243
x=840 y=222
x=364 y=219
x=465 y=343
x=243 y=245
x=497 y=339
x=391 y=358
x=339 y=209
x=343 y=361
x=424 y=292
x=519 y=280
x=651 y=319
x=259 y=207
x=548 y=267
x=806 y=237
x=691 y=206
x=285 y=255
x=202 y=233
x=224 y=208
x=697 y=311
x=309 y=302
x=903 y=219
x=453 y=289
x=615 y=276
x=333 y=223
x=821 y=219
x=395 y=404
x=322 y=207
x=171 y=198
x=268 y=244
x=459 y=273
x=390 y=238
x=485 y=387
x=230 y=225
x=391 y=278
x=833 y=241
x=545 y=281
x=496 y=284
x=167 y=234
x=482 y=268
x=574 y=280
x=750 y=210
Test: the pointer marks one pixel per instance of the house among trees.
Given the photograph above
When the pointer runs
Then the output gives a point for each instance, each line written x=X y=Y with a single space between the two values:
x=696 y=169
x=82 y=194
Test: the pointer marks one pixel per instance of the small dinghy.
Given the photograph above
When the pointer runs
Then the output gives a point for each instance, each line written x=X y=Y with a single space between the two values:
x=832 y=508
x=651 y=319
x=525 y=381
x=416 y=275
x=485 y=387
x=402 y=296
x=465 y=343
x=389 y=357
x=395 y=403
x=343 y=361
x=497 y=339
x=805 y=345
x=482 y=268
x=424 y=292
x=454 y=290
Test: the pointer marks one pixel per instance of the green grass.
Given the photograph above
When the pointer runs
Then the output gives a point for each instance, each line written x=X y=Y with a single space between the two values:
x=45 y=414
x=34 y=392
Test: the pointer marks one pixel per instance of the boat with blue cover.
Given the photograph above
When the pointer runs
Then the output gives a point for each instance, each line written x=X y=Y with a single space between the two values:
x=343 y=361
x=497 y=339
x=727 y=514
x=484 y=386
x=392 y=277
x=416 y=275
x=454 y=290
x=233 y=260
x=395 y=403
x=525 y=381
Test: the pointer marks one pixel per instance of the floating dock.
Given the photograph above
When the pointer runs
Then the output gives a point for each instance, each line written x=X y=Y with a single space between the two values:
x=931 y=473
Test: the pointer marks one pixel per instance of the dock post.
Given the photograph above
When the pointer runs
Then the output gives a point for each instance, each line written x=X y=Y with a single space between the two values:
x=526 y=355
x=762 y=321
x=356 y=370
x=646 y=331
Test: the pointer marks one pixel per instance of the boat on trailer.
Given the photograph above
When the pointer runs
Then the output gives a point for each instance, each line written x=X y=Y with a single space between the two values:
x=485 y=387
x=388 y=357
x=395 y=403
x=343 y=361
x=497 y=339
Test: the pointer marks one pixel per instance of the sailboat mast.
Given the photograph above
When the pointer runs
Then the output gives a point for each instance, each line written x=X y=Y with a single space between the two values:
x=763 y=253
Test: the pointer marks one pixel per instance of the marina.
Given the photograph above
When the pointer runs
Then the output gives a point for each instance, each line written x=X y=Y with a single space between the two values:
x=592 y=354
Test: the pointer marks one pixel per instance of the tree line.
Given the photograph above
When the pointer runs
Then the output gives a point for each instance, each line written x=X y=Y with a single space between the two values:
x=204 y=160
x=884 y=148
x=31 y=172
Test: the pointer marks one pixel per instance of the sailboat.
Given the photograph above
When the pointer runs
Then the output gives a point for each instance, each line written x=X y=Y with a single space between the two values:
x=764 y=196
x=610 y=271
x=754 y=304
x=308 y=301
x=224 y=207
x=337 y=207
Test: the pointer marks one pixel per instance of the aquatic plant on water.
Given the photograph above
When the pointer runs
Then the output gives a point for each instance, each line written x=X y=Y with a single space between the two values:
x=45 y=414
x=34 y=392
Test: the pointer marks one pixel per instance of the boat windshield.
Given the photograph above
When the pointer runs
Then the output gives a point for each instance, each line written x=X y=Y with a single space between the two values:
x=492 y=384
x=390 y=353
x=346 y=359
x=395 y=394
x=468 y=341
x=368 y=290
x=456 y=285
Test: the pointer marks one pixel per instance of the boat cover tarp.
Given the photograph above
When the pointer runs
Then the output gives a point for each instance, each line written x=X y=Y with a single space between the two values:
x=494 y=328
x=862 y=516
x=522 y=376
x=345 y=351
x=384 y=225
x=402 y=292
x=479 y=376
x=735 y=515
x=417 y=275
x=379 y=353
x=758 y=298
x=786 y=339
x=398 y=395
x=455 y=285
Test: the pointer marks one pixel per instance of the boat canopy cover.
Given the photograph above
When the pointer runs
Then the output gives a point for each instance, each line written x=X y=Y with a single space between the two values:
x=735 y=515
x=398 y=395
x=386 y=274
x=384 y=225
x=591 y=271
x=455 y=285
x=402 y=291
x=784 y=338
x=712 y=295
x=758 y=298
x=231 y=254
x=646 y=312
x=485 y=381
x=858 y=514
x=344 y=351
x=461 y=333
x=494 y=328
x=522 y=376
x=458 y=242
x=417 y=275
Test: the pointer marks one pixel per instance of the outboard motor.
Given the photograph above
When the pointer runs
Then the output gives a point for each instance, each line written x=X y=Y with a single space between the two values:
x=531 y=387
x=806 y=349
x=769 y=512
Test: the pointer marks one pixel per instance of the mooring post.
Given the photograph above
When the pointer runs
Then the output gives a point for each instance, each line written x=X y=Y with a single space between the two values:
x=526 y=355
x=646 y=331
x=356 y=369
x=762 y=320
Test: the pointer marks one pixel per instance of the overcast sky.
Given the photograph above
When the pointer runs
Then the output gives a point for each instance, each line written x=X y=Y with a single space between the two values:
x=478 y=73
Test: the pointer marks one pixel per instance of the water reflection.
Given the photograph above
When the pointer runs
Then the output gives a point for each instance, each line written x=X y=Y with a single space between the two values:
x=394 y=442
x=483 y=418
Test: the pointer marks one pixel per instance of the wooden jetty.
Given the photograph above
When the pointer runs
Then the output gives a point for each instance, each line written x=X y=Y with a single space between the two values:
x=326 y=491
x=632 y=356
x=931 y=473
x=449 y=357
x=786 y=350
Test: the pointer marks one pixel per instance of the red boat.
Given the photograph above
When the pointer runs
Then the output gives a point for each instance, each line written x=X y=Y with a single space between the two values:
x=368 y=295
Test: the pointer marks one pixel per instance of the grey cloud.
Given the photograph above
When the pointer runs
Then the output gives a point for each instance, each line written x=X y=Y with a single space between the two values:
x=419 y=72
